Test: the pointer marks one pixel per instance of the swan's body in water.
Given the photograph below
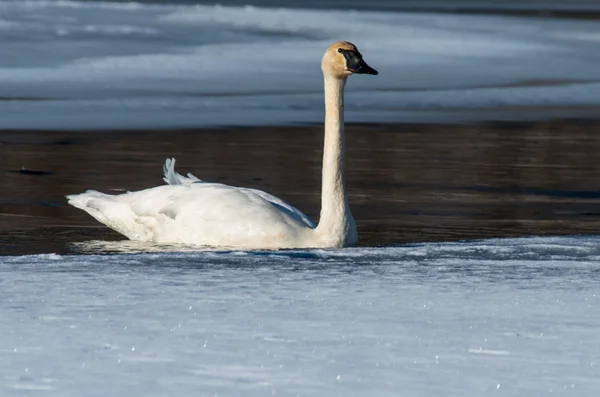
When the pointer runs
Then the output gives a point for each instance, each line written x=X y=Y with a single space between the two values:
x=190 y=211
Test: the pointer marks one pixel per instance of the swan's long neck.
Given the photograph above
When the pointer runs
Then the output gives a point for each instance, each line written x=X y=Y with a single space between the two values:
x=336 y=222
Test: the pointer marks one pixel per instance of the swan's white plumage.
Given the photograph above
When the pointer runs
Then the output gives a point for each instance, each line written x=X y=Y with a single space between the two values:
x=190 y=211
x=173 y=178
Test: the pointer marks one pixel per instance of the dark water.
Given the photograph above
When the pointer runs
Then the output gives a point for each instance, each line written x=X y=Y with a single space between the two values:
x=407 y=183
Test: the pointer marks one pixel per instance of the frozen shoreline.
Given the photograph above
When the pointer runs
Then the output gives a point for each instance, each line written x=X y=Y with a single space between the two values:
x=110 y=65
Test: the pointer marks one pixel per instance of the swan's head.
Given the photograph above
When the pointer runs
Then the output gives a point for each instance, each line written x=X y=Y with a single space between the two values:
x=342 y=59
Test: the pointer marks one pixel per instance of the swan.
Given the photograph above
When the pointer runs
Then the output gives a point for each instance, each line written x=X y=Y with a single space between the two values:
x=193 y=212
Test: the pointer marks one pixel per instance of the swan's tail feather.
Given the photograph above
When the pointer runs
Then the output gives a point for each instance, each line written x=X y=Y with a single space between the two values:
x=173 y=178
x=111 y=211
x=81 y=200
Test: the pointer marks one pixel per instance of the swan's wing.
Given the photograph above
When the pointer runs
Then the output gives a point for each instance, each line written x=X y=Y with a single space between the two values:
x=276 y=201
x=171 y=177
x=196 y=213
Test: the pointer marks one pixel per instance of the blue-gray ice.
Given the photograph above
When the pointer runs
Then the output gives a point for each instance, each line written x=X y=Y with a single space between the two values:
x=130 y=65
x=515 y=317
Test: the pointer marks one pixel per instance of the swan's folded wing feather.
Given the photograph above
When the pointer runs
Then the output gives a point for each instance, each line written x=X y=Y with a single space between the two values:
x=171 y=177
x=282 y=204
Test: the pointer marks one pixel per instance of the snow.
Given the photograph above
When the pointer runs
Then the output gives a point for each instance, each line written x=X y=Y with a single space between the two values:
x=133 y=65
x=504 y=317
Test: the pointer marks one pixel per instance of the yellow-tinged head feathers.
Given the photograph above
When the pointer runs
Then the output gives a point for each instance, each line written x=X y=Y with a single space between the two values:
x=342 y=59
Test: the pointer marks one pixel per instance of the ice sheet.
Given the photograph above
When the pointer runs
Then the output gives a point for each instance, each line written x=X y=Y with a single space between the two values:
x=90 y=60
x=503 y=317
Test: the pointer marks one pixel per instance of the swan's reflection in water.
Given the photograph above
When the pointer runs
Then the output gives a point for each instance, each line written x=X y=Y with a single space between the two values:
x=135 y=247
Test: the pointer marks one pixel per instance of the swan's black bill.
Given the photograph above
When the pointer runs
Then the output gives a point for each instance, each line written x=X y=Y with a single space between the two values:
x=355 y=63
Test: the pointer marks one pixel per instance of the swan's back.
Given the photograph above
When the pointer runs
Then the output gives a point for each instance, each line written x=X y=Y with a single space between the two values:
x=171 y=177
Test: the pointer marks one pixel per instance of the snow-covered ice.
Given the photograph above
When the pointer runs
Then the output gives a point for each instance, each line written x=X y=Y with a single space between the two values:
x=506 y=317
x=132 y=65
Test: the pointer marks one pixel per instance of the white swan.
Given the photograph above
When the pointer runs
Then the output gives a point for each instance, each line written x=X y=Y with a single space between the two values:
x=190 y=211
